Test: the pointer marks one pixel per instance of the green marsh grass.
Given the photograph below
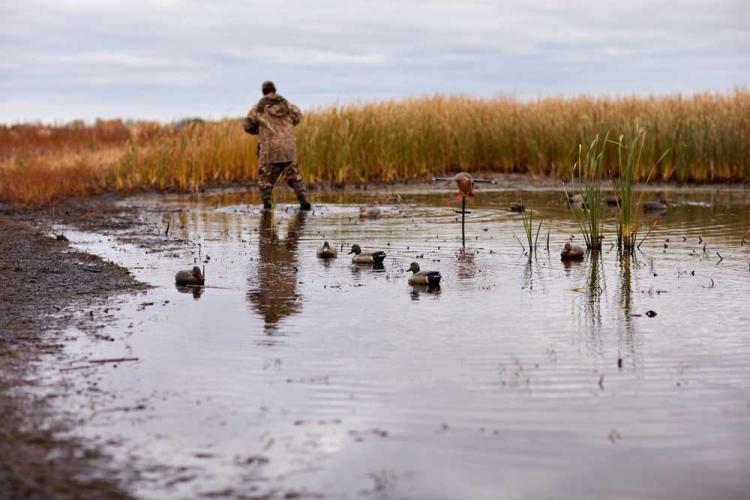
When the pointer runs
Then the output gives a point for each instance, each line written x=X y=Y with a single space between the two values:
x=532 y=237
x=628 y=206
x=587 y=175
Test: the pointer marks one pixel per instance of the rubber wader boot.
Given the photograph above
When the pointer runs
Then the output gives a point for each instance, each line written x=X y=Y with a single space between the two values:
x=299 y=188
x=266 y=195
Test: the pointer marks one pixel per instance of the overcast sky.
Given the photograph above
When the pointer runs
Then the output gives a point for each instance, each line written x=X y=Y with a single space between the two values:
x=164 y=60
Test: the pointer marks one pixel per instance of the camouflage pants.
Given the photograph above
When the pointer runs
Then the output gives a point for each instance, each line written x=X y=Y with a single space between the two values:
x=269 y=173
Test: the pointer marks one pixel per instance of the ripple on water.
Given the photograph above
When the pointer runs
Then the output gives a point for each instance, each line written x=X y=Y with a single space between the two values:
x=512 y=366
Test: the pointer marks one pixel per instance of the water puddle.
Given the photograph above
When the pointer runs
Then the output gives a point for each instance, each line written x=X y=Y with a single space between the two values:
x=518 y=378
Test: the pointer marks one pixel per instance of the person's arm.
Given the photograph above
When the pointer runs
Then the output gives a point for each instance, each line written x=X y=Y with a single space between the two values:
x=296 y=114
x=251 y=124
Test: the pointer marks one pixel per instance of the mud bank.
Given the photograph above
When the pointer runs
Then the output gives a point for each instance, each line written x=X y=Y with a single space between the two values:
x=47 y=287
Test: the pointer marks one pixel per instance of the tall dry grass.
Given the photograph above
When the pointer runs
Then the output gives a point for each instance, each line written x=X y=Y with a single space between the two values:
x=707 y=135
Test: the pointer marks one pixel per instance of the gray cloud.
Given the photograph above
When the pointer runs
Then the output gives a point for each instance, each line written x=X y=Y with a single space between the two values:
x=170 y=59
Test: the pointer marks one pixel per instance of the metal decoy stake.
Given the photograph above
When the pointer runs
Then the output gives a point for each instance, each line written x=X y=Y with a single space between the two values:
x=465 y=183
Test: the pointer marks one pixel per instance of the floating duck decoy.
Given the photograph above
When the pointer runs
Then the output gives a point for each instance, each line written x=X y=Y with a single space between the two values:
x=369 y=212
x=327 y=251
x=571 y=252
x=576 y=201
x=655 y=206
x=361 y=257
x=612 y=201
x=429 y=278
x=194 y=277
x=518 y=207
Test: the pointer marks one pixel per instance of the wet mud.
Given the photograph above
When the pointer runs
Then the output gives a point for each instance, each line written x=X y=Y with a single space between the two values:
x=47 y=287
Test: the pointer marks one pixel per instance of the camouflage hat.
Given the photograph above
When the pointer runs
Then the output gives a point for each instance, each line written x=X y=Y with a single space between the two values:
x=268 y=87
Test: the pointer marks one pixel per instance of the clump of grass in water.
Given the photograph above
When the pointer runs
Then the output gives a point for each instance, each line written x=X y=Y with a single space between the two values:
x=628 y=207
x=589 y=175
x=528 y=227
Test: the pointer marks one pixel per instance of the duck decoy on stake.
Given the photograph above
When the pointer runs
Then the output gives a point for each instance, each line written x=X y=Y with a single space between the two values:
x=465 y=183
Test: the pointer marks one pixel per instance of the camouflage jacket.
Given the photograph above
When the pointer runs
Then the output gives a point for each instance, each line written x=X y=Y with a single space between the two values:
x=273 y=120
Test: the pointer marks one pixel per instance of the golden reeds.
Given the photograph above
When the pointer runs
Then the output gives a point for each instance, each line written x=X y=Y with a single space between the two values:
x=707 y=135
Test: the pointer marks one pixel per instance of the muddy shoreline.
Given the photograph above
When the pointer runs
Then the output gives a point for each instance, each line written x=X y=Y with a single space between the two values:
x=48 y=288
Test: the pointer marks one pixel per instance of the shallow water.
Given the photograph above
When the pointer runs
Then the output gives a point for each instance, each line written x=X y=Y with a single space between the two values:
x=290 y=374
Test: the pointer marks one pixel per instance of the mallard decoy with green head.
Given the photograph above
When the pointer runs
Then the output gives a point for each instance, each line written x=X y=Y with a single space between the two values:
x=429 y=278
x=193 y=277
x=327 y=251
x=571 y=252
x=361 y=257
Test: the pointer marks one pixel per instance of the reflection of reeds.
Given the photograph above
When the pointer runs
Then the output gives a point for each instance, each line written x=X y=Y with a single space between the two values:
x=387 y=141
x=595 y=287
x=587 y=172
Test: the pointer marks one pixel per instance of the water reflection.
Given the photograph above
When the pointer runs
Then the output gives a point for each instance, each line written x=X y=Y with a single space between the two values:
x=419 y=291
x=595 y=286
x=535 y=364
x=626 y=327
x=197 y=291
x=465 y=266
x=272 y=285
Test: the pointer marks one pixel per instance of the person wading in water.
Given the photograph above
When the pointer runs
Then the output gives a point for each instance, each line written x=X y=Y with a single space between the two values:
x=273 y=120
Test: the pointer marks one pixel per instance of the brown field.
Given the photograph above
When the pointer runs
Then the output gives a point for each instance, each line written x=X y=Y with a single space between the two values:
x=707 y=137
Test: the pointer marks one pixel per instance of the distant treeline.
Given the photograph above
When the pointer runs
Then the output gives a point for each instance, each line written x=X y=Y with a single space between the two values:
x=707 y=137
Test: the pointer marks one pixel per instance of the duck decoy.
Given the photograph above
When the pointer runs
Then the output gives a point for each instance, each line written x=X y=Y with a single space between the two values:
x=518 y=207
x=361 y=257
x=655 y=206
x=576 y=201
x=464 y=181
x=612 y=201
x=429 y=278
x=194 y=277
x=371 y=212
x=571 y=252
x=327 y=251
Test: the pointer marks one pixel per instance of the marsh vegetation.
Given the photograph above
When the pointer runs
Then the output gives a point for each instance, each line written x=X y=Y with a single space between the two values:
x=706 y=137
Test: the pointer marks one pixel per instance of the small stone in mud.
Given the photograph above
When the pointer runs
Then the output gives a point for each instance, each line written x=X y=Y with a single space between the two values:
x=650 y=313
